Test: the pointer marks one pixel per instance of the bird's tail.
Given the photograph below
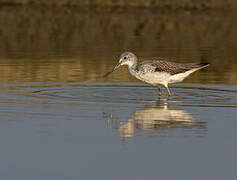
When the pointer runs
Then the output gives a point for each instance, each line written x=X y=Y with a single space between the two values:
x=202 y=65
x=197 y=67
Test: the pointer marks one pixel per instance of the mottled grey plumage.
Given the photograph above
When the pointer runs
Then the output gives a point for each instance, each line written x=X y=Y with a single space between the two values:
x=157 y=73
x=169 y=67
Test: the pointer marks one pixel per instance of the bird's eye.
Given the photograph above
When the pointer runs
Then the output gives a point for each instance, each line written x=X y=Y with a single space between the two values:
x=125 y=57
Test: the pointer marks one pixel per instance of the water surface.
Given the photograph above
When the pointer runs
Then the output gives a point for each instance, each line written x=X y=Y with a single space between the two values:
x=60 y=119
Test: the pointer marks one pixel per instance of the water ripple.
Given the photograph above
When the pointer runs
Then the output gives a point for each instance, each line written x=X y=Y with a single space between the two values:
x=183 y=95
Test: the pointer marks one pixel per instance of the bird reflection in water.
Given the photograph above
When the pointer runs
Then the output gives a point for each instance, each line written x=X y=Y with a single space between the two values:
x=156 y=119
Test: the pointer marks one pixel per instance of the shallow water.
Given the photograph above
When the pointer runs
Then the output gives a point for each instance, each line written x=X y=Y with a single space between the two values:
x=59 y=119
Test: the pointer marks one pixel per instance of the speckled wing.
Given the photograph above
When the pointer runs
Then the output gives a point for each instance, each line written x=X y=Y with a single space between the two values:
x=169 y=67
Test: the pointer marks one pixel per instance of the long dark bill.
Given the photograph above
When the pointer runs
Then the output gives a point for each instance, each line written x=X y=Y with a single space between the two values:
x=115 y=67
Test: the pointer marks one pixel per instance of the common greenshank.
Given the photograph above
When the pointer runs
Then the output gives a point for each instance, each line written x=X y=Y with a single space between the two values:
x=156 y=72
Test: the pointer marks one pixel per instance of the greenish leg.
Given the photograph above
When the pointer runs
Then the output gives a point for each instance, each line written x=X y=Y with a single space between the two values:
x=160 y=93
x=169 y=93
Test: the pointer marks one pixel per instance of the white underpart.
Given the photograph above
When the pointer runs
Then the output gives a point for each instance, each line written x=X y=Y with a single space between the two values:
x=162 y=78
x=181 y=76
x=153 y=78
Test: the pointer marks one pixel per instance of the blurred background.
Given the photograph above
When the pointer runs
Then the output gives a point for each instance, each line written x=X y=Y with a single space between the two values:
x=71 y=41
x=60 y=119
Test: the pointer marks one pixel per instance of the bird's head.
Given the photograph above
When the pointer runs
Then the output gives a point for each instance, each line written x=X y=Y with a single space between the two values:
x=127 y=58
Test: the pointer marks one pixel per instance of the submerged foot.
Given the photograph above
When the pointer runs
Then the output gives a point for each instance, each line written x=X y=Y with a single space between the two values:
x=159 y=92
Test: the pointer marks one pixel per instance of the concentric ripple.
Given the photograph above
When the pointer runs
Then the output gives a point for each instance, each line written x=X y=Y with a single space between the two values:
x=183 y=95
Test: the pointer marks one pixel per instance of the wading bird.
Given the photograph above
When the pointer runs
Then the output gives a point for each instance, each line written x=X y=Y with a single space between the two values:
x=156 y=72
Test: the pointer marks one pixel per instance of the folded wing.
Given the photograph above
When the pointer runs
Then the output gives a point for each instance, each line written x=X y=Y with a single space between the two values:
x=170 y=67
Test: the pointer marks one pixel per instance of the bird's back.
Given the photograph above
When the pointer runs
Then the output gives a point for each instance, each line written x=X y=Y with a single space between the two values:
x=169 y=67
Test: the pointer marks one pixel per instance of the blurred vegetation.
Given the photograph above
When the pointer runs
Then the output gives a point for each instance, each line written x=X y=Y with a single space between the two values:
x=194 y=4
x=71 y=44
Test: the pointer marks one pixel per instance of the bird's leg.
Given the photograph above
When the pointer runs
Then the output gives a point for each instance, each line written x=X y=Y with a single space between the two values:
x=160 y=93
x=169 y=93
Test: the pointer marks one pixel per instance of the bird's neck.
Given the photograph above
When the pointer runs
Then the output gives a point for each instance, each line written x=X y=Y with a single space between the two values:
x=133 y=66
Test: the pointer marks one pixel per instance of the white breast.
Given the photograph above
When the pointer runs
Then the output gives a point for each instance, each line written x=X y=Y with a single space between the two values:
x=153 y=78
